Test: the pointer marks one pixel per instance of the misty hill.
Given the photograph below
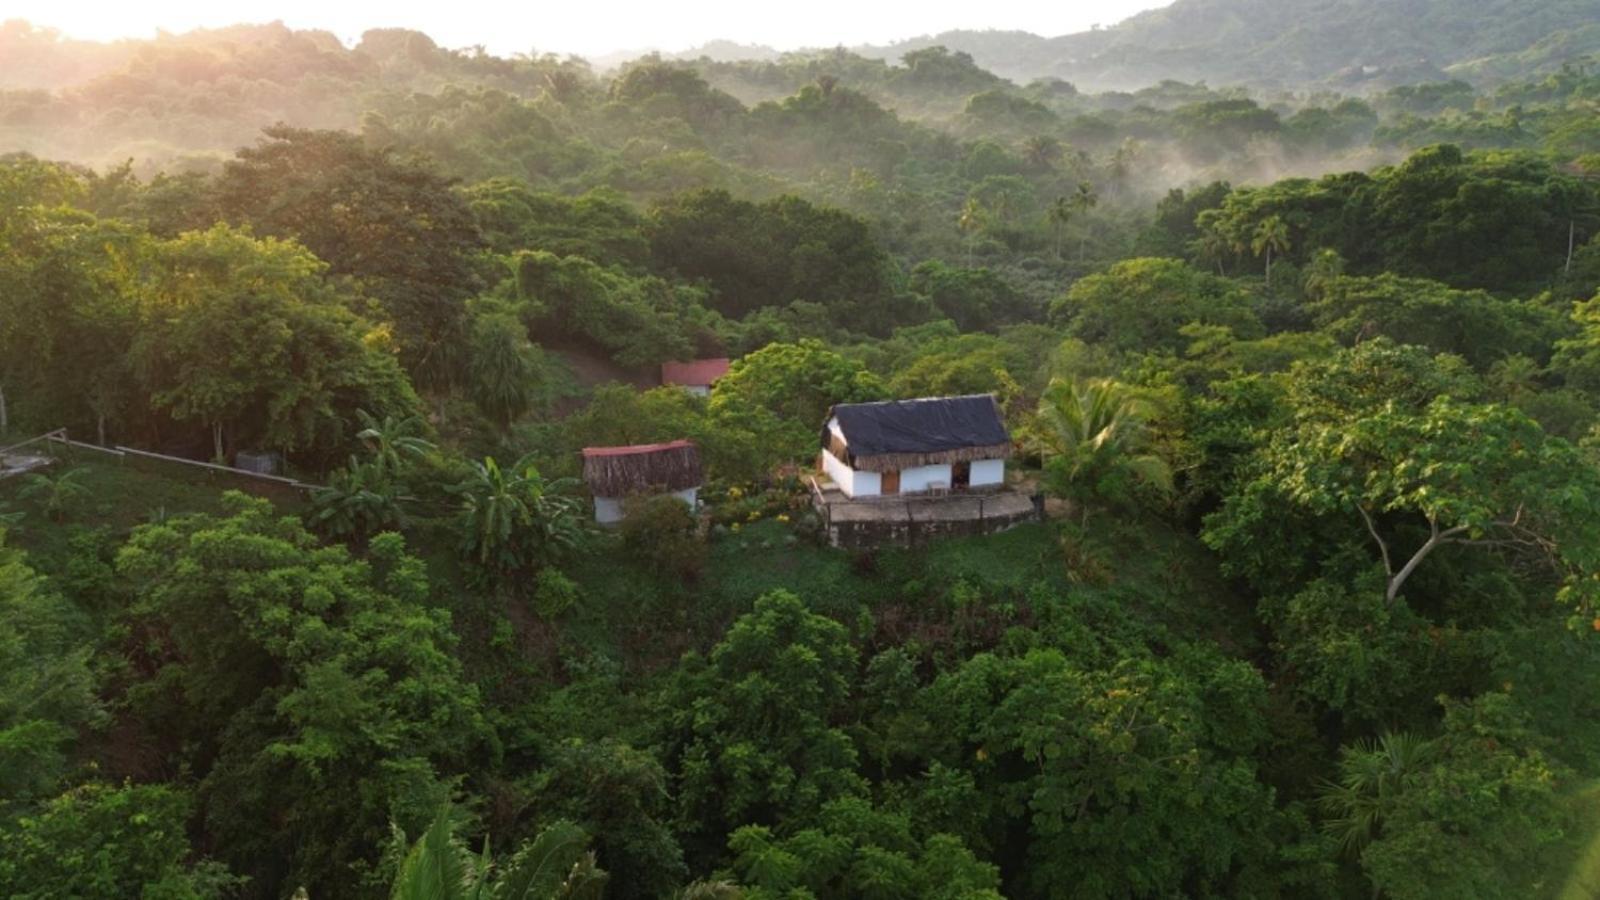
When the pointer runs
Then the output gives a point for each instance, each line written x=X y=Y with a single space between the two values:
x=1295 y=43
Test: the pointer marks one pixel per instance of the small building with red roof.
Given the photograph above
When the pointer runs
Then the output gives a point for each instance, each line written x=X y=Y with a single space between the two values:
x=697 y=376
x=616 y=474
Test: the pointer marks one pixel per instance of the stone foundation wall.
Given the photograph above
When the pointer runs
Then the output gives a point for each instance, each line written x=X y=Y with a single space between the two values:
x=913 y=530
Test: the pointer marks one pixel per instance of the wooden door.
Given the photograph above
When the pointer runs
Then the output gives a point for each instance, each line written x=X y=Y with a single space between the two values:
x=891 y=484
x=961 y=476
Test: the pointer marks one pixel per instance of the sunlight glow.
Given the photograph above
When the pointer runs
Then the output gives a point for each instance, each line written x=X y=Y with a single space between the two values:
x=586 y=28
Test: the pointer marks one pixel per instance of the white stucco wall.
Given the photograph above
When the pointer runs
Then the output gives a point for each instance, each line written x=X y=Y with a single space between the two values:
x=921 y=478
x=851 y=482
x=609 y=510
x=988 y=472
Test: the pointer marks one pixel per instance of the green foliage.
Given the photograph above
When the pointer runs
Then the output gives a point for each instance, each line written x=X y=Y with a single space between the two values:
x=551 y=866
x=858 y=851
x=54 y=495
x=513 y=520
x=554 y=593
x=1466 y=813
x=1102 y=708
x=794 y=386
x=771 y=254
x=1142 y=305
x=394 y=227
x=505 y=371
x=1132 y=778
x=748 y=730
x=245 y=337
x=359 y=501
x=304 y=685
x=47 y=691
x=663 y=532
x=1095 y=440
x=102 y=841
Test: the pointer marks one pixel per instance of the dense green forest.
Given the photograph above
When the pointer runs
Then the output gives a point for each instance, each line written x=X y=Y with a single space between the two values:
x=1310 y=379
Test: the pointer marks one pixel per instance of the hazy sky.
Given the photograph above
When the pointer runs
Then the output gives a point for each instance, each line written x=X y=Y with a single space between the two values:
x=594 y=27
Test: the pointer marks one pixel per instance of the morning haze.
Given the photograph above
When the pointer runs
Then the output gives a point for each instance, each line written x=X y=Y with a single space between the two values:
x=902 y=452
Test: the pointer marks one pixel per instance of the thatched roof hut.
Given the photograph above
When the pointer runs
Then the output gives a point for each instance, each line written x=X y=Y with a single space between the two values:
x=902 y=434
x=642 y=468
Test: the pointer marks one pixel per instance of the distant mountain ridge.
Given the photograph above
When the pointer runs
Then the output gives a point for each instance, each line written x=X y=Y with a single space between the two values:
x=1295 y=43
x=1344 y=44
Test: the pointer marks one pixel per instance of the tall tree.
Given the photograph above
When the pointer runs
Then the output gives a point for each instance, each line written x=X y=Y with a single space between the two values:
x=393 y=226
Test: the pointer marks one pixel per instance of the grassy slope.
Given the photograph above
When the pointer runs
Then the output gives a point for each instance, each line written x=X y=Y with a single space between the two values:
x=1582 y=881
x=121 y=495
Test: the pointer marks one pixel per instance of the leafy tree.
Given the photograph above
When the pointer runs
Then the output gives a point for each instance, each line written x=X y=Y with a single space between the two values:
x=1577 y=358
x=975 y=299
x=749 y=733
x=639 y=320
x=47 y=691
x=662 y=532
x=99 y=841
x=393 y=440
x=795 y=385
x=1479 y=327
x=245 y=336
x=620 y=795
x=858 y=851
x=1467 y=813
x=393 y=226
x=299 y=684
x=1127 y=778
x=770 y=254
x=67 y=315
x=1141 y=305
x=1416 y=470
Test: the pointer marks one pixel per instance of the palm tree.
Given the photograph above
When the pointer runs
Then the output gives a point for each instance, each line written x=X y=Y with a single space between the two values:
x=1060 y=217
x=1041 y=152
x=1271 y=236
x=1083 y=200
x=393 y=440
x=511 y=518
x=1094 y=437
x=553 y=865
x=1372 y=776
x=1122 y=162
x=973 y=218
x=1215 y=246
x=55 y=495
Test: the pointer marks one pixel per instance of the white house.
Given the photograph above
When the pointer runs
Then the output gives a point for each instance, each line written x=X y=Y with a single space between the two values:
x=615 y=474
x=901 y=447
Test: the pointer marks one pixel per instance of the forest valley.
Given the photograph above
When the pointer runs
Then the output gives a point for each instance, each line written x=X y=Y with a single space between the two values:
x=1312 y=382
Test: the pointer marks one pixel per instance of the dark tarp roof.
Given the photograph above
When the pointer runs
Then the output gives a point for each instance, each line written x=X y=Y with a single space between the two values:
x=932 y=425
